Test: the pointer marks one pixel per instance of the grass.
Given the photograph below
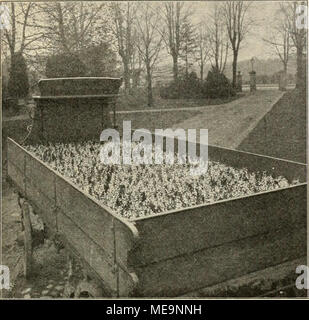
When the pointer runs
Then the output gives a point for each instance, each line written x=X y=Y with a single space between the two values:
x=282 y=132
x=138 y=101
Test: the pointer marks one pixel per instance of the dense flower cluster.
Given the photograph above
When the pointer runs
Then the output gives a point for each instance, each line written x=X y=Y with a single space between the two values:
x=139 y=190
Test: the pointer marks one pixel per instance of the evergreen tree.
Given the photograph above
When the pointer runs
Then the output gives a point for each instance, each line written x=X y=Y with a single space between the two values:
x=188 y=45
x=18 y=85
x=64 y=65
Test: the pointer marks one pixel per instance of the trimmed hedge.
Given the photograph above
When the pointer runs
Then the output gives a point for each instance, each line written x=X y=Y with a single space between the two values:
x=65 y=65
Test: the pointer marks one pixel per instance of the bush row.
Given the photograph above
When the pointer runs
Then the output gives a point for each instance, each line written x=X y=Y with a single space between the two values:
x=216 y=85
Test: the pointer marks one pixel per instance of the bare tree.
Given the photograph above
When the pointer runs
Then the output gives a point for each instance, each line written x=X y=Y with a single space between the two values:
x=70 y=27
x=148 y=24
x=136 y=61
x=203 y=49
x=280 y=40
x=298 y=36
x=123 y=29
x=238 y=24
x=175 y=16
x=18 y=37
x=217 y=39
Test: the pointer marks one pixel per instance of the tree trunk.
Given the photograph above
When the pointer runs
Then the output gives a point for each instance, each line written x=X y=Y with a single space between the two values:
x=149 y=87
x=301 y=72
x=175 y=67
x=126 y=77
x=285 y=68
x=235 y=56
x=202 y=71
x=187 y=64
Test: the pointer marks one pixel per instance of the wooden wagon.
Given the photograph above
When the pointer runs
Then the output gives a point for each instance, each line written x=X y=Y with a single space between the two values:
x=175 y=253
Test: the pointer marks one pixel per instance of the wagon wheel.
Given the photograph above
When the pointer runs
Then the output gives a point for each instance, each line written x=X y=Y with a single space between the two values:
x=27 y=238
x=88 y=289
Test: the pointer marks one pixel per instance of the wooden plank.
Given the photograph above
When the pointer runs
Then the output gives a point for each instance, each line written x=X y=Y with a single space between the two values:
x=252 y=162
x=184 y=231
x=174 y=277
x=127 y=283
x=16 y=176
x=16 y=155
x=88 y=250
x=89 y=216
x=43 y=204
x=277 y=167
x=126 y=240
x=40 y=176
x=270 y=276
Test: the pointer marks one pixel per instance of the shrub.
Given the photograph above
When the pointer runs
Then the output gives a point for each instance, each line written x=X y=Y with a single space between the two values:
x=170 y=92
x=100 y=60
x=188 y=86
x=4 y=95
x=64 y=65
x=217 y=85
x=18 y=85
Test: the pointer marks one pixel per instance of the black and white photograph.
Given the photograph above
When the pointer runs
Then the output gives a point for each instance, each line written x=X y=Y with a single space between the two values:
x=154 y=149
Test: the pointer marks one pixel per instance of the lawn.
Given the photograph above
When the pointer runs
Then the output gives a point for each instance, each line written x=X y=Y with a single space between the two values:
x=282 y=132
x=138 y=101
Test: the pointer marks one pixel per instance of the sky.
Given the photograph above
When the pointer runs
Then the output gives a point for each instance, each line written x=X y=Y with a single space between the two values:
x=263 y=13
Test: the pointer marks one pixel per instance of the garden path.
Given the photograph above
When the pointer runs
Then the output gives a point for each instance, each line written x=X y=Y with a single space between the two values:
x=229 y=124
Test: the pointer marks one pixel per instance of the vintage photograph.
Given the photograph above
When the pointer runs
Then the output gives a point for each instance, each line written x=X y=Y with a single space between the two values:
x=154 y=149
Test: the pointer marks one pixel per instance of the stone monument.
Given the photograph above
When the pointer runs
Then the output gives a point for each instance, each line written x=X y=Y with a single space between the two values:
x=73 y=108
x=239 y=82
x=252 y=74
x=282 y=81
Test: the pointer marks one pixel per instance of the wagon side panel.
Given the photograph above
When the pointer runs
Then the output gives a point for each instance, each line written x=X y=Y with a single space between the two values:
x=197 y=270
x=183 y=232
x=87 y=214
x=250 y=161
x=40 y=190
x=16 y=165
x=89 y=230
x=126 y=241
x=253 y=163
x=93 y=257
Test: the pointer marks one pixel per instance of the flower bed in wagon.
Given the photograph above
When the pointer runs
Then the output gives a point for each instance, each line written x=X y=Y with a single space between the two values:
x=174 y=248
x=135 y=191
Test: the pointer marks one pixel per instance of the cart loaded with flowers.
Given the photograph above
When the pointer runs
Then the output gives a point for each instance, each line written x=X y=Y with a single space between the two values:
x=150 y=230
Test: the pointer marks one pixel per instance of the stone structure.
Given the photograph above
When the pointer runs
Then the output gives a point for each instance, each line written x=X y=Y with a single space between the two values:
x=282 y=81
x=252 y=81
x=73 y=108
x=239 y=82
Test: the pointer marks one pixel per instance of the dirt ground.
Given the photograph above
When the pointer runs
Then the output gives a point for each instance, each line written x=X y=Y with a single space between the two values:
x=49 y=267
